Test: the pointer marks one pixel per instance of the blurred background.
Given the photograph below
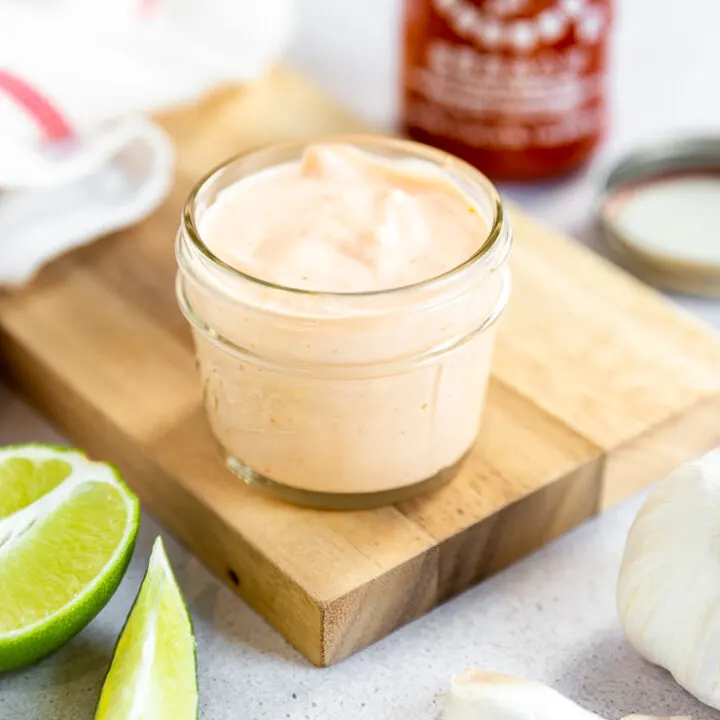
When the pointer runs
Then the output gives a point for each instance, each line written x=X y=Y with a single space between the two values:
x=663 y=80
x=96 y=65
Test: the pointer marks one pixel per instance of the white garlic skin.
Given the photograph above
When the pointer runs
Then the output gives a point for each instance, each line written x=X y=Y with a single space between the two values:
x=481 y=695
x=656 y=717
x=668 y=592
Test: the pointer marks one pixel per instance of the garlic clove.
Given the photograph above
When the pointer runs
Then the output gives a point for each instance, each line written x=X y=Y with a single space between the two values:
x=482 y=695
x=668 y=592
x=656 y=717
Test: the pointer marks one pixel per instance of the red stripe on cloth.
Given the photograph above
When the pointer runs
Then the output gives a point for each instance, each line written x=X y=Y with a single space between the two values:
x=146 y=7
x=50 y=120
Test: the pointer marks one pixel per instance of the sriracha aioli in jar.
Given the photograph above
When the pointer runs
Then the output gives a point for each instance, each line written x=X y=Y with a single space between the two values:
x=515 y=87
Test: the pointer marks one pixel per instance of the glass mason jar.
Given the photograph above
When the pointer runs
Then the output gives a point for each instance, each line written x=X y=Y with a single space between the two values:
x=344 y=400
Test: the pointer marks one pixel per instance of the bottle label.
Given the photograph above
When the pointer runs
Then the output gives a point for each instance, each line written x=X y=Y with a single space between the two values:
x=509 y=74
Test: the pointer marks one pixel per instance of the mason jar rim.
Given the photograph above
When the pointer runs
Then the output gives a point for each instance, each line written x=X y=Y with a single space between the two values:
x=440 y=158
x=385 y=367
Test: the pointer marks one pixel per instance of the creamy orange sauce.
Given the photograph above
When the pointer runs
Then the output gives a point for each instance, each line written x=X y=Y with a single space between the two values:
x=342 y=220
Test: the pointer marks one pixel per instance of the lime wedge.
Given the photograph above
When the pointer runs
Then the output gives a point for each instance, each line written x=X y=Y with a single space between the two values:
x=67 y=530
x=153 y=674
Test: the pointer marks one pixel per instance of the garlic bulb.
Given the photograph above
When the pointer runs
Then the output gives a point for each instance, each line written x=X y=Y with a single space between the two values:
x=668 y=592
x=481 y=695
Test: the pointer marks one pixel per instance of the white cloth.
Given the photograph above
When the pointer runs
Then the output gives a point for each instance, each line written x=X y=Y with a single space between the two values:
x=77 y=158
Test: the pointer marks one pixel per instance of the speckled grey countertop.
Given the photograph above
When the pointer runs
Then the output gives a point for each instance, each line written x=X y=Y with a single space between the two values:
x=552 y=616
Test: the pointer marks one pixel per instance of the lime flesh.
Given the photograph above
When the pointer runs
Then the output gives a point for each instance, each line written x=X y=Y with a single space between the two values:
x=153 y=674
x=67 y=530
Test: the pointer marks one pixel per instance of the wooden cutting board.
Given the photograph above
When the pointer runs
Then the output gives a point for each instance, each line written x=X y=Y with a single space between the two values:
x=599 y=386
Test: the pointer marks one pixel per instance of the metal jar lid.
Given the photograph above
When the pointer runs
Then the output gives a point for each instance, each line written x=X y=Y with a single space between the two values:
x=660 y=214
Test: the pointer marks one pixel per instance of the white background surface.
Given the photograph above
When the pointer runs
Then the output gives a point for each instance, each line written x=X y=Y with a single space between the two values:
x=550 y=617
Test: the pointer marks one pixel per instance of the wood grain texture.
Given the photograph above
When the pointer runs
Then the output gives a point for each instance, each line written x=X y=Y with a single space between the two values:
x=599 y=386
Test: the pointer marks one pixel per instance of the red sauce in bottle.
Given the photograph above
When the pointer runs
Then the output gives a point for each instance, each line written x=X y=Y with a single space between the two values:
x=515 y=87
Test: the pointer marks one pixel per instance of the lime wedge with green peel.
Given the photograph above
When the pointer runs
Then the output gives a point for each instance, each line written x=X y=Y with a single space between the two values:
x=67 y=530
x=153 y=674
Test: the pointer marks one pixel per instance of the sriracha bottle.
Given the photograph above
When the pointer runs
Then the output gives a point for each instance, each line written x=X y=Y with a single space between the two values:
x=515 y=87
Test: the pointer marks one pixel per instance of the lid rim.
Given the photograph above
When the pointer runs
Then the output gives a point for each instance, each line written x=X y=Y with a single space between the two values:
x=645 y=164
x=656 y=159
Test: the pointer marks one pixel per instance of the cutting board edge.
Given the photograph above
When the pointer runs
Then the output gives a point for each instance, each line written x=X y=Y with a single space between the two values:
x=352 y=622
x=349 y=622
x=650 y=455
